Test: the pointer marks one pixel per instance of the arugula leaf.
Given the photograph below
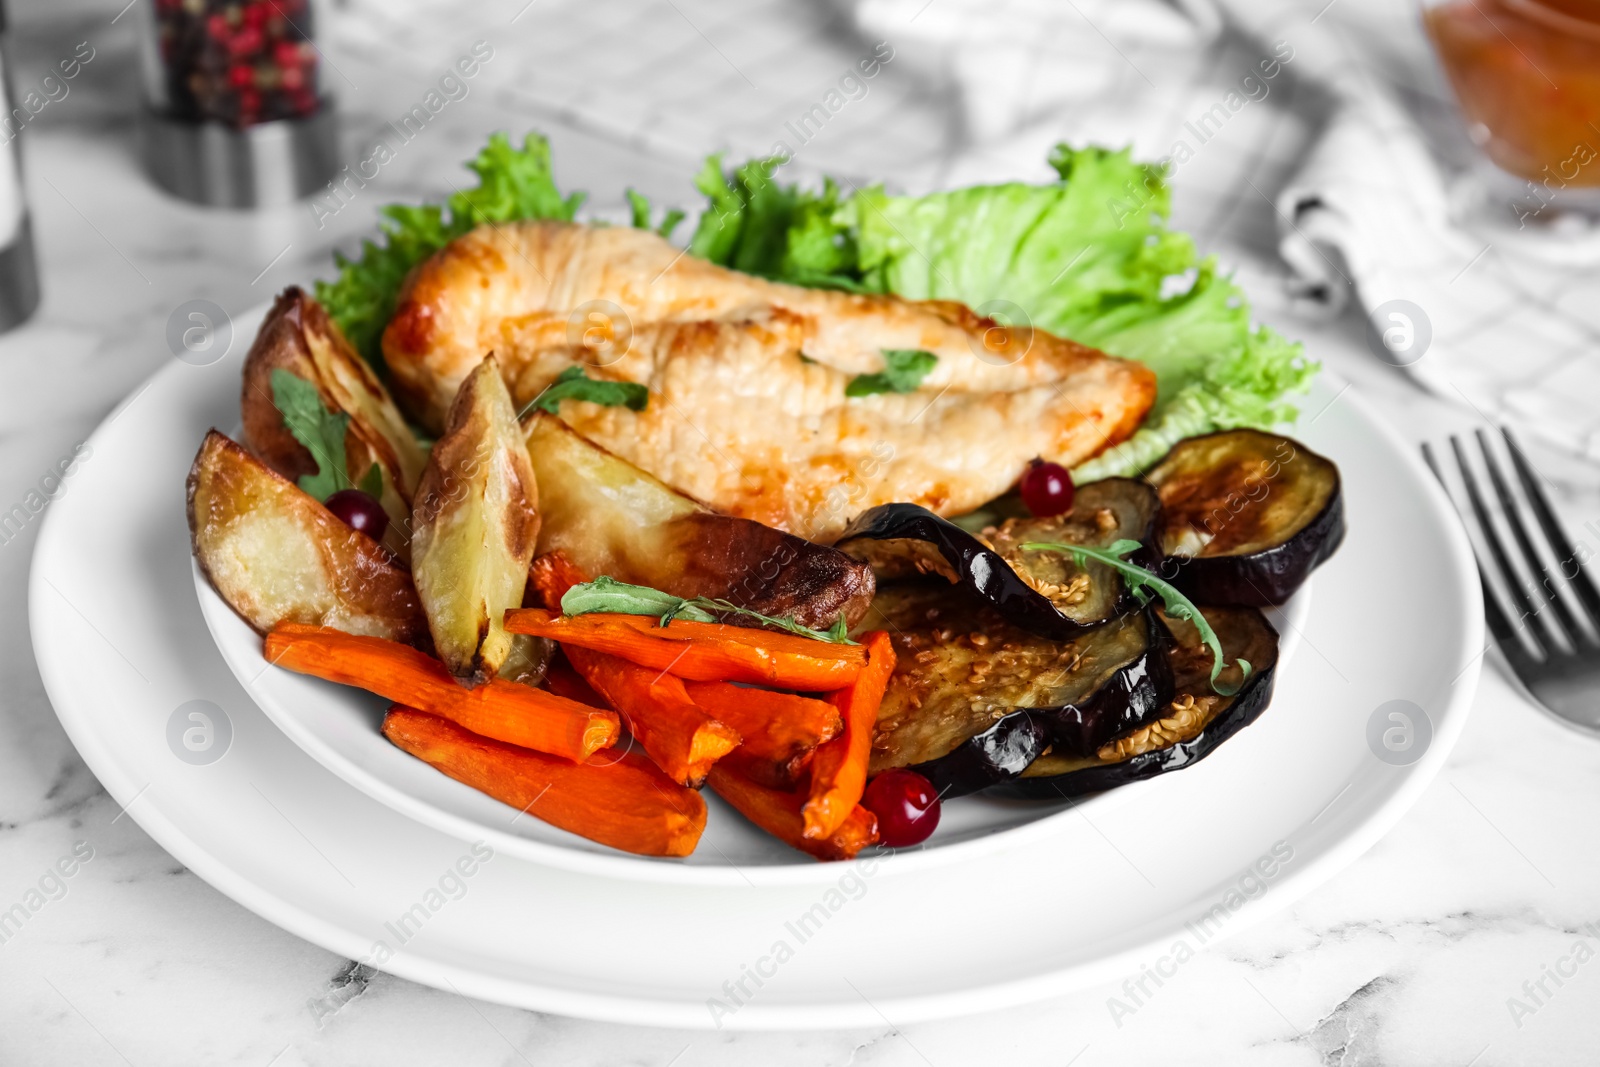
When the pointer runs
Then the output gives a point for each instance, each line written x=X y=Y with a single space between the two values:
x=573 y=384
x=1143 y=583
x=639 y=208
x=609 y=595
x=904 y=369
x=321 y=431
x=513 y=184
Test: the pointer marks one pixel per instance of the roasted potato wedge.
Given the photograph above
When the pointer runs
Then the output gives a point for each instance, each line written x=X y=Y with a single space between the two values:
x=475 y=522
x=276 y=555
x=612 y=518
x=299 y=337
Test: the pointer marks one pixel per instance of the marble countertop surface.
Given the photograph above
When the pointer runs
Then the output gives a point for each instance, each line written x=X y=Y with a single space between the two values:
x=1417 y=954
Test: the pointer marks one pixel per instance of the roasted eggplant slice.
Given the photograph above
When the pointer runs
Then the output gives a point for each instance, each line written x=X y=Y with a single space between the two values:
x=1246 y=516
x=612 y=518
x=974 y=700
x=1045 y=593
x=1194 y=724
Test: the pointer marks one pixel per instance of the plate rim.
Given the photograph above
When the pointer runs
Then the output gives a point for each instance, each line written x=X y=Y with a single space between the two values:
x=441 y=973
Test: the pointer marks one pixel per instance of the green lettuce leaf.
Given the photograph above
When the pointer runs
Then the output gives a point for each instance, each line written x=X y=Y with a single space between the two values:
x=1088 y=257
x=513 y=184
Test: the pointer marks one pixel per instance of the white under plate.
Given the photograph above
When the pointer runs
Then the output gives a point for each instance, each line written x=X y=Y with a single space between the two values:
x=551 y=924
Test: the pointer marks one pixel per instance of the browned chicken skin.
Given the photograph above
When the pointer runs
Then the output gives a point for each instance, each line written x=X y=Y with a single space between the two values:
x=747 y=377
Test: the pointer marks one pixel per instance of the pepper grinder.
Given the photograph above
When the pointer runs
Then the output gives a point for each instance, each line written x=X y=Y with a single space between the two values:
x=234 y=112
x=19 y=276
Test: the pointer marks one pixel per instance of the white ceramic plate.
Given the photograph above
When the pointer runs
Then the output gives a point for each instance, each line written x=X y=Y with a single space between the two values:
x=123 y=648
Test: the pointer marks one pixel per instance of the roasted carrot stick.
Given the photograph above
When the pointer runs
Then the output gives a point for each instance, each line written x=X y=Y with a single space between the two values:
x=839 y=769
x=562 y=680
x=778 y=813
x=506 y=711
x=775 y=726
x=678 y=735
x=617 y=799
x=703 y=651
x=683 y=740
x=785 y=775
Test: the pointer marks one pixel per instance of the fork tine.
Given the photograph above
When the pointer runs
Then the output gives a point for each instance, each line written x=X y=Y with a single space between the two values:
x=1519 y=595
x=1500 y=628
x=1519 y=533
x=1552 y=530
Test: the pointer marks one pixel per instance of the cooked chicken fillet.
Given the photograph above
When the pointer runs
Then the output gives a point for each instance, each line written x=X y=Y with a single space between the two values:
x=747 y=377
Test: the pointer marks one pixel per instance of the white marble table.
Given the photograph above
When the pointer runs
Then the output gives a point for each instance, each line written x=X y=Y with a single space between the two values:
x=1412 y=956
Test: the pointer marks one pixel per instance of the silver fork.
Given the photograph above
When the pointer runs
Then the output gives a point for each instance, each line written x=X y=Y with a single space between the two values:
x=1565 y=678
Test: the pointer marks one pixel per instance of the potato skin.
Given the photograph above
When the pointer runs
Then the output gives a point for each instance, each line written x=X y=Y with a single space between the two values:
x=276 y=555
x=612 y=518
x=299 y=337
x=475 y=523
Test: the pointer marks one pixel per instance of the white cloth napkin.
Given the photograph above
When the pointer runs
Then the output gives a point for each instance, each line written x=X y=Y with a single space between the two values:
x=1501 y=318
x=1387 y=207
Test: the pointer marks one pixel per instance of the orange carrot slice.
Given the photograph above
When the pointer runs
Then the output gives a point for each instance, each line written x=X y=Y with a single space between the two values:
x=506 y=711
x=775 y=726
x=617 y=799
x=682 y=739
x=702 y=651
x=778 y=813
x=839 y=768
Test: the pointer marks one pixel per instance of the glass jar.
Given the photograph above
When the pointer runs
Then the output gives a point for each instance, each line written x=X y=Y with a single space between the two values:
x=1527 y=76
x=236 y=110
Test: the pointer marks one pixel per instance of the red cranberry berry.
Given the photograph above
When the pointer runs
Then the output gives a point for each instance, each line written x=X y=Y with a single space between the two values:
x=906 y=805
x=359 y=511
x=1047 y=488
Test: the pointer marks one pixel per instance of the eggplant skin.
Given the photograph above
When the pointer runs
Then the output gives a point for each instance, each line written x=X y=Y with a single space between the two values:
x=967 y=562
x=1263 y=579
x=1001 y=752
x=904 y=540
x=974 y=700
x=1191 y=673
x=1136 y=693
x=1247 y=516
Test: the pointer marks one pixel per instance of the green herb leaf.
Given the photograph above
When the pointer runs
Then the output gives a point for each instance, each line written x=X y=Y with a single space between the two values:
x=904 y=369
x=573 y=384
x=606 y=594
x=372 y=482
x=513 y=184
x=321 y=431
x=1143 y=583
x=609 y=595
